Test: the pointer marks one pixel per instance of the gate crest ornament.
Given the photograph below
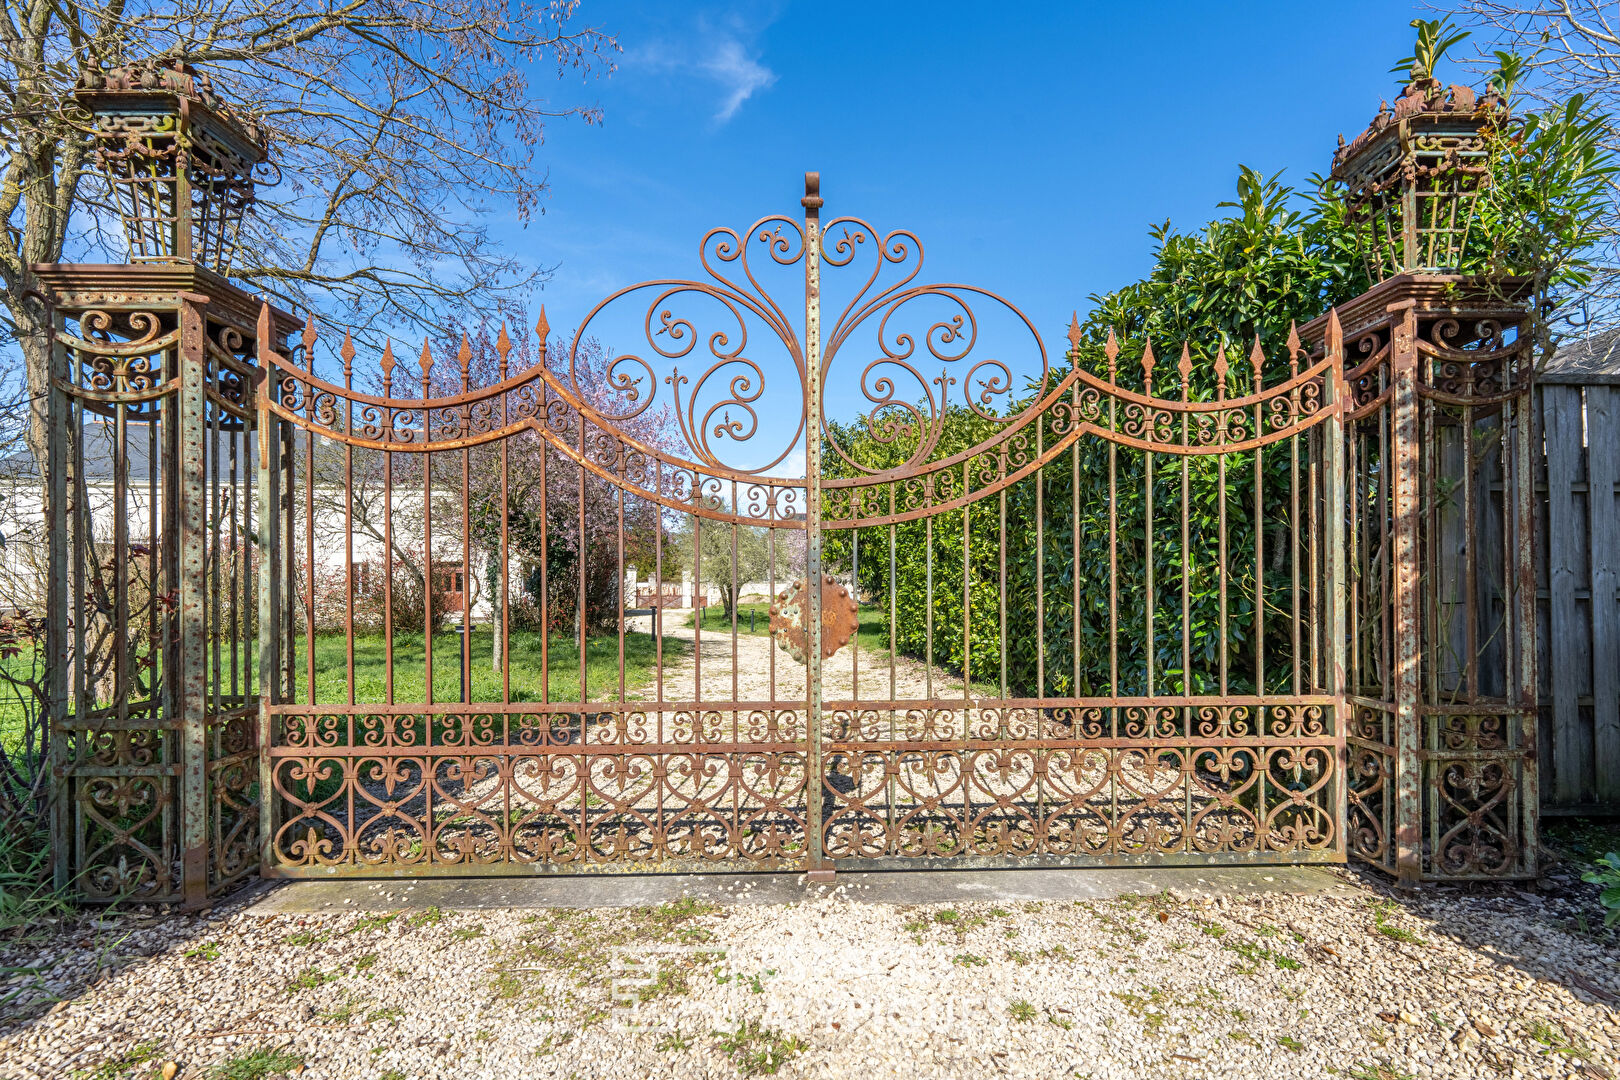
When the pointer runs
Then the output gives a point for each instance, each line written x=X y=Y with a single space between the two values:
x=922 y=355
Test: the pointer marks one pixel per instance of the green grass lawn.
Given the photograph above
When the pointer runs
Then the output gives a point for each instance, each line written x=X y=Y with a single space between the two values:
x=410 y=674
x=756 y=619
x=370 y=669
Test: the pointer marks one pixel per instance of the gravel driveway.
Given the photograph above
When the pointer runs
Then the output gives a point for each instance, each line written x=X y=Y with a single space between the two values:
x=1496 y=982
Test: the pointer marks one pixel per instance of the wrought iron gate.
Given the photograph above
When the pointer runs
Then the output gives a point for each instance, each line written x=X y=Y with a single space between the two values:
x=1088 y=613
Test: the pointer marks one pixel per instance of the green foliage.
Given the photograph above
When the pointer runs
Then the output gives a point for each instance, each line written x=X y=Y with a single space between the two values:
x=1607 y=874
x=27 y=892
x=1278 y=259
x=257 y=1064
x=1435 y=38
x=1551 y=180
x=757 y=1050
x=1252 y=275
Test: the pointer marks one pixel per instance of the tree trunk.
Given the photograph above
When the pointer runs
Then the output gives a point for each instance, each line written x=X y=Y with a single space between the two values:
x=497 y=611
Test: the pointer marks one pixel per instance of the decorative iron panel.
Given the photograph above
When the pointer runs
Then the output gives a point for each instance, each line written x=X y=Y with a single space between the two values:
x=1094 y=616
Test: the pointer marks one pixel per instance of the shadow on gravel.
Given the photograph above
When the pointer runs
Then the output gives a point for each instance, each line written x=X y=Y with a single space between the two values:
x=52 y=962
x=1550 y=929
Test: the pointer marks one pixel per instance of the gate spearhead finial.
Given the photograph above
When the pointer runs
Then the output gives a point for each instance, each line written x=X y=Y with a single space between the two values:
x=503 y=346
x=387 y=365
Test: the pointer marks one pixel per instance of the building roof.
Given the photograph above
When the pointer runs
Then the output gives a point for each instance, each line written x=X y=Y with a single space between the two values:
x=1592 y=359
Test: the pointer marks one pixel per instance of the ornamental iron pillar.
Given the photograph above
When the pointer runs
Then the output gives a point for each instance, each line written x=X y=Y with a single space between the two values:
x=1437 y=364
x=154 y=710
x=819 y=869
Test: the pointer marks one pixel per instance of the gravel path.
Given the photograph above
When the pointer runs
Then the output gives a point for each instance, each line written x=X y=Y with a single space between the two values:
x=761 y=666
x=1495 y=982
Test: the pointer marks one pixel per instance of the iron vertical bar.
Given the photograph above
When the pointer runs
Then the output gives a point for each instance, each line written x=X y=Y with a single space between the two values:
x=427 y=546
x=1040 y=561
x=59 y=414
x=819 y=868
x=191 y=588
x=1407 y=644
x=1074 y=542
x=267 y=433
x=967 y=594
x=1525 y=598
x=1337 y=394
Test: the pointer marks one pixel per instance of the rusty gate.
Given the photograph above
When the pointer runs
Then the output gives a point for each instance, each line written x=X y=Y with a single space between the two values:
x=1105 y=672
x=1144 y=602
x=956 y=599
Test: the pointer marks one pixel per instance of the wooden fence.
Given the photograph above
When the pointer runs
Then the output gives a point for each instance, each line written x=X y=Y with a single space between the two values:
x=1578 y=576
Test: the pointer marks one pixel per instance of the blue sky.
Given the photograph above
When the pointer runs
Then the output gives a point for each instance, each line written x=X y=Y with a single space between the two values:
x=1029 y=147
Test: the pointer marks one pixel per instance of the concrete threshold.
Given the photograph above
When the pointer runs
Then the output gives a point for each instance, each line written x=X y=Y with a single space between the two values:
x=863 y=887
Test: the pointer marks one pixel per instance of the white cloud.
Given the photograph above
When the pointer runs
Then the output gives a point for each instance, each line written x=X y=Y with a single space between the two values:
x=738 y=74
x=726 y=55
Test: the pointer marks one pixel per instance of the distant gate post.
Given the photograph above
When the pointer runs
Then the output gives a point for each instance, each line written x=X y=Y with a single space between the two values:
x=1442 y=649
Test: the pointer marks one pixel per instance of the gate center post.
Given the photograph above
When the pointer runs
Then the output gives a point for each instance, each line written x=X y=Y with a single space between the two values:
x=818 y=869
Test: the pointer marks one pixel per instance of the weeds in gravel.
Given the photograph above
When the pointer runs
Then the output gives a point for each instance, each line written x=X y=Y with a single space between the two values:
x=208 y=950
x=373 y=922
x=392 y=1014
x=1396 y=933
x=431 y=917
x=1364 y=1071
x=257 y=1065
x=304 y=937
x=967 y=959
x=310 y=979
x=466 y=933
x=365 y=963
x=1021 y=1011
x=756 y=1050
x=672 y=1042
x=1556 y=1039
x=392 y=1074
x=342 y=1014
x=118 y=1067
x=1288 y=1042
x=670 y=980
x=1259 y=954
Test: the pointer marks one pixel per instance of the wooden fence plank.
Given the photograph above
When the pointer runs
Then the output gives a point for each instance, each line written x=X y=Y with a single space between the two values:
x=1602 y=472
x=1561 y=412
